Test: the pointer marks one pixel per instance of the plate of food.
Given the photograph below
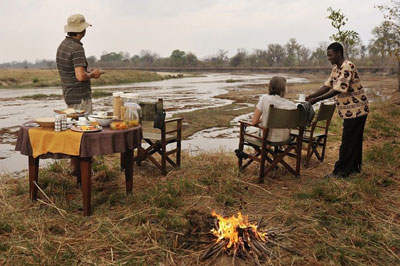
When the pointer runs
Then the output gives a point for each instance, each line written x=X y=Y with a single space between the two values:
x=87 y=128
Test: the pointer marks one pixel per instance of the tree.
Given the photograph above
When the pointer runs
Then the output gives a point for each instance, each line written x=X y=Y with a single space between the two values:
x=381 y=42
x=148 y=58
x=112 y=57
x=318 y=56
x=275 y=54
x=91 y=60
x=392 y=30
x=178 y=57
x=135 y=59
x=258 y=58
x=347 y=37
x=303 y=55
x=292 y=51
x=191 y=59
x=239 y=58
x=220 y=58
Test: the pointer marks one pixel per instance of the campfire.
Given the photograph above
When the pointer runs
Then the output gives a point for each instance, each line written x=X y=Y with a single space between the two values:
x=237 y=237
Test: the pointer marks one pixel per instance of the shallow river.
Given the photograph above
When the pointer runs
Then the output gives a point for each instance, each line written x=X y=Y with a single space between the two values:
x=180 y=95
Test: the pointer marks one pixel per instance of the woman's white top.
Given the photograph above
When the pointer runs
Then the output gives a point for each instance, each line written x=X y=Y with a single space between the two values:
x=277 y=134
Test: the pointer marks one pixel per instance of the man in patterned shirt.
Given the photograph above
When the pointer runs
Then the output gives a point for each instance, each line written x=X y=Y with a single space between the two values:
x=344 y=85
x=72 y=66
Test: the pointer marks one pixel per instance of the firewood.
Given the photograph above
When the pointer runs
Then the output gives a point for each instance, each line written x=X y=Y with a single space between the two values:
x=213 y=249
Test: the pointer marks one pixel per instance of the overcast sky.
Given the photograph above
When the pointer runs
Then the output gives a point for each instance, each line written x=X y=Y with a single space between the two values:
x=32 y=29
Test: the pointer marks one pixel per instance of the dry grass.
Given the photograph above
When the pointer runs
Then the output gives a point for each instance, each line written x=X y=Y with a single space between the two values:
x=167 y=219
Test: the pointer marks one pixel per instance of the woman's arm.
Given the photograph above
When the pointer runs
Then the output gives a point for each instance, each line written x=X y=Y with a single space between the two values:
x=256 y=117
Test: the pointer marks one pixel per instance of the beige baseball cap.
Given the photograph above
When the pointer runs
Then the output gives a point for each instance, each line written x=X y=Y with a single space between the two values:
x=76 y=23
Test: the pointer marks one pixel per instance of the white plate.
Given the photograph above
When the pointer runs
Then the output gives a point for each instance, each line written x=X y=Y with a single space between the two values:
x=80 y=129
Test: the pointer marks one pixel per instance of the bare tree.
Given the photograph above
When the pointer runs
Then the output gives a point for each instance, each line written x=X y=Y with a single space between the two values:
x=292 y=52
x=318 y=56
x=392 y=29
x=275 y=54
x=239 y=58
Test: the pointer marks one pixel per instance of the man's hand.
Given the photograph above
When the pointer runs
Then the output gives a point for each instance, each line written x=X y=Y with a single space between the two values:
x=96 y=73
x=311 y=100
x=82 y=75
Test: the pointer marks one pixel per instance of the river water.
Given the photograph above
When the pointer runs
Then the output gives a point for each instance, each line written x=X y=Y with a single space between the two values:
x=180 y=95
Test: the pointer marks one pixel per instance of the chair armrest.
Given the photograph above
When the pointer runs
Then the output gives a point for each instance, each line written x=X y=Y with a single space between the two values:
x=178 y=125
x=250 y=124
x=173 y=120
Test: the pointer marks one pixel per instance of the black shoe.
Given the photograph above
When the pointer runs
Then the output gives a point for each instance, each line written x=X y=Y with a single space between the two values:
x=241 y=154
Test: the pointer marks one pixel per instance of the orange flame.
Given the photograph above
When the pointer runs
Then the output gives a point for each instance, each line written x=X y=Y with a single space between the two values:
x=228 y=229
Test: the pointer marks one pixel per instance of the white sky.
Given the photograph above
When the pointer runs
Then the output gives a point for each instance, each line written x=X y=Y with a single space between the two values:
x=32 y=29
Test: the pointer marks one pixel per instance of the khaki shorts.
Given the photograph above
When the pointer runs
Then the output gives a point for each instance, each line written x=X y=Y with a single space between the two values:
x=86 y=104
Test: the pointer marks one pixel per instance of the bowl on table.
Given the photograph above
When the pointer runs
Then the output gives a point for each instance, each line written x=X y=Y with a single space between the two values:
x=103 y=121
x=46 y=122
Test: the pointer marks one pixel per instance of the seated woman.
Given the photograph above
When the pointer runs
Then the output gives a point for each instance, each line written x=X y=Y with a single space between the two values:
x=277 y=89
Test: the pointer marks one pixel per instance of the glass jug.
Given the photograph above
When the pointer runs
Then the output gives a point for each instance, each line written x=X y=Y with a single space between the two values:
x=131 y=116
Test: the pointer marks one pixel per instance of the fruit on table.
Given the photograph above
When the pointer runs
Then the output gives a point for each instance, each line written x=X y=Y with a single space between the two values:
x=88 y=128
x=118 y=125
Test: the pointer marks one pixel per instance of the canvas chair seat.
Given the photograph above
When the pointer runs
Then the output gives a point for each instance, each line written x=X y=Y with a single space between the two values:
x=306 y=134
x=258 y=142
x=157 y=136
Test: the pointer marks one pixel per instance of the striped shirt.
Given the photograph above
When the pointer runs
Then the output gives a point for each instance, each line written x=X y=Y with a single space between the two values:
x=70 y=54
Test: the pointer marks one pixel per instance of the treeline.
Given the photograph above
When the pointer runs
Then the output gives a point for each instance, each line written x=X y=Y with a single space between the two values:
x=291 y=54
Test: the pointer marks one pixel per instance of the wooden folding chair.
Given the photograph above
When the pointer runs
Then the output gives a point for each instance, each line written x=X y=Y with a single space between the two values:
x=317 y=139
x=272 y=152
x=161 y=136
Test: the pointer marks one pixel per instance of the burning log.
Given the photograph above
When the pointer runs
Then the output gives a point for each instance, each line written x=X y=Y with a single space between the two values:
x=239 y=238
x=216 y=247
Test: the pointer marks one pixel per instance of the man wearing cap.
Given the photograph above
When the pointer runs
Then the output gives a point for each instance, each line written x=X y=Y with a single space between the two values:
x=73 y=67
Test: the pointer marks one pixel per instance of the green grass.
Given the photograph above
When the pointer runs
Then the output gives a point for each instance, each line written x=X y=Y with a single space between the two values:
x=383 y=125
x=100 y=93
x=41 y=96
x=232 y=80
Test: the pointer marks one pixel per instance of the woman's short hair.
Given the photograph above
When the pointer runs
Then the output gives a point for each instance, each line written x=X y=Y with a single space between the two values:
x=277 y=86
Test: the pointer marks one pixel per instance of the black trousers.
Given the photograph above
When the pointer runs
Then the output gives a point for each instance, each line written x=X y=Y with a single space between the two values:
x=350 y=154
